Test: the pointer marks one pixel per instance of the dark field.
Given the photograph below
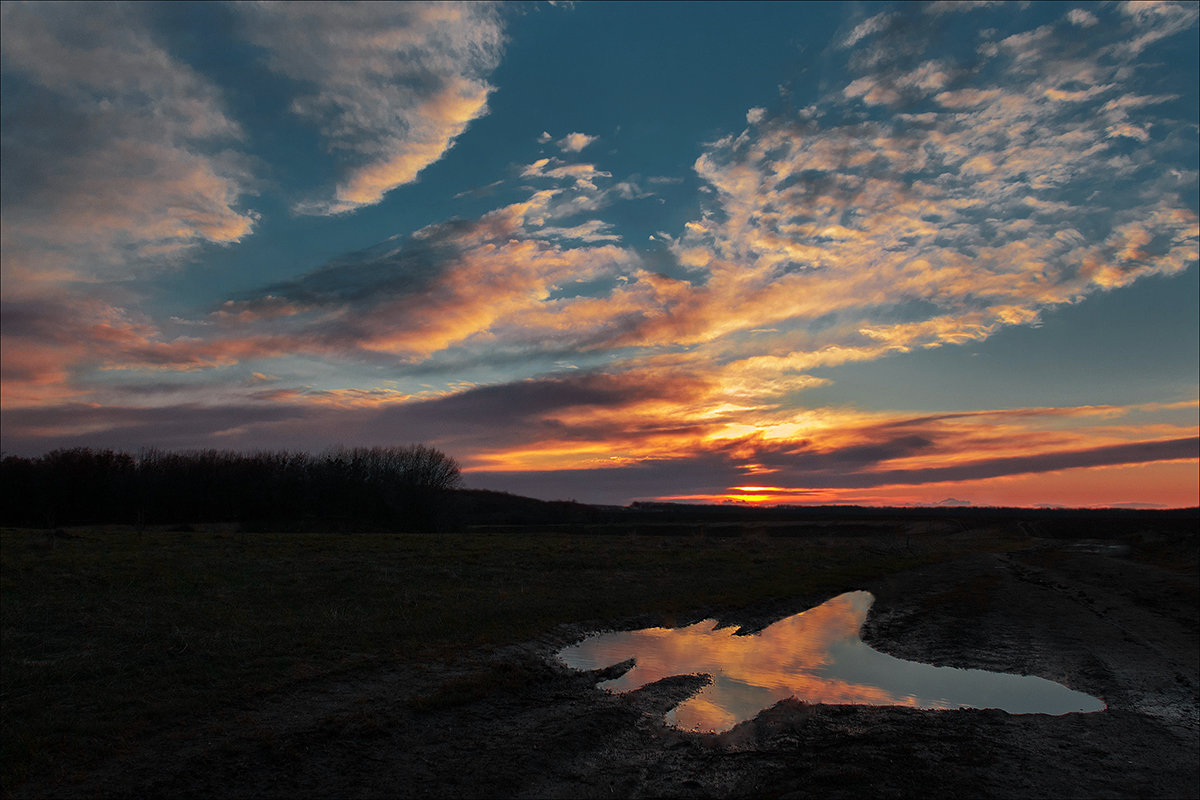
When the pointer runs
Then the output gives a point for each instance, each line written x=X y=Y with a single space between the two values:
x=213 y=662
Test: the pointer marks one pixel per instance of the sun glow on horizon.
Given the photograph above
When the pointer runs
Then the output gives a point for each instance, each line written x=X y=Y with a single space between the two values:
x=1175 y=483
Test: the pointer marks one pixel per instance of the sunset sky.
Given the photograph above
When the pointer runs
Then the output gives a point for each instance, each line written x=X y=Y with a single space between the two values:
x=783 y=253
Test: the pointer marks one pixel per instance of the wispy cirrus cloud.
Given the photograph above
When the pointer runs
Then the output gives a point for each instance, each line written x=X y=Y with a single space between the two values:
x=924 y=203
x=871 y=25
x=389 y=85
x=504 y=282
x=116 y=154
x=498 y=283
x=119 y=161
x=1152 y=22
x=937 y=224
x=970 y=205
x=929 y=197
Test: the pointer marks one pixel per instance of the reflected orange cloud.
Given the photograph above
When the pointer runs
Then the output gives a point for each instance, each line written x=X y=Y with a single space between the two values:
x=815 y=656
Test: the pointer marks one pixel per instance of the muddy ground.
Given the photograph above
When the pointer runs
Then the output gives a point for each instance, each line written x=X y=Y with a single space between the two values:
x=510 y=722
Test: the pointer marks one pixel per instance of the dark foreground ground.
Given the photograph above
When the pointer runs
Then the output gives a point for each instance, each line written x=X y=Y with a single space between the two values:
x=1115 y=617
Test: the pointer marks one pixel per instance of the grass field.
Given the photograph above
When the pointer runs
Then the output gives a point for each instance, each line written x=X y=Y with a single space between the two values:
x=108 y=634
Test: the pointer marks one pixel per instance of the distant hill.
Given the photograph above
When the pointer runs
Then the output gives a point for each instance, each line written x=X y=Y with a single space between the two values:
x=484 y=509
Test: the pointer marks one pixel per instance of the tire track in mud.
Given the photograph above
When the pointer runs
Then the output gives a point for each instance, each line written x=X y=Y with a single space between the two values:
x=1157 y=676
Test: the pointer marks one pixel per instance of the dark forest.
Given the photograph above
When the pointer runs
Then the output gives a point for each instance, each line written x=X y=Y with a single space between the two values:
x=394 y=487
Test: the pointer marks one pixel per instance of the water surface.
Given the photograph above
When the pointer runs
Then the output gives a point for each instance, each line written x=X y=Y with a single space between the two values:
x=816 y=656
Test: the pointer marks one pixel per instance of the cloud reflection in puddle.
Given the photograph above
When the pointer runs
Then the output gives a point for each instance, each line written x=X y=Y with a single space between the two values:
x=815 y=656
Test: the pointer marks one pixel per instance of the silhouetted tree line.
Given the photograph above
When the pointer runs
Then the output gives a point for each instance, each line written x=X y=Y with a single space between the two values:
x=379 y=487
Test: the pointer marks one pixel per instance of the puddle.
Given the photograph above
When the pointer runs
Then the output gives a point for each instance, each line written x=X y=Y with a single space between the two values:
x=815 y=656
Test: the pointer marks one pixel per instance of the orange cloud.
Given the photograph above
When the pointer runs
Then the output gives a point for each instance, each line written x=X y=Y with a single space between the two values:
x=1162 y=484
x=575 y=142
x=392 y=85
x=823 y=453
x=446 y=116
